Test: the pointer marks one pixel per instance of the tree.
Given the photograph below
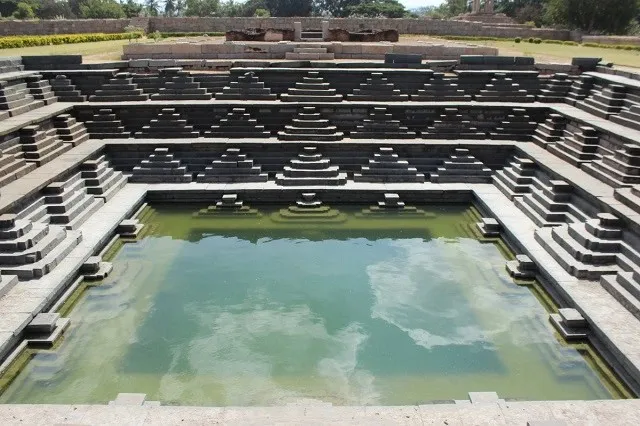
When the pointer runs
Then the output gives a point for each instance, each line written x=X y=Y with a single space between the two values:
x=23 y=11
x=131 y=9
x=169 y=7
x=378 y=8
x=457 y=7
x=202 y=7
x=100 y=9
x=50 y=9
x=289 y=7
x=611 y=16
x=334 y=7
x=152 y=7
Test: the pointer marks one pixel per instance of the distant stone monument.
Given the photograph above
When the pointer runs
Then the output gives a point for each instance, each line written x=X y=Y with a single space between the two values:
x=485 y=14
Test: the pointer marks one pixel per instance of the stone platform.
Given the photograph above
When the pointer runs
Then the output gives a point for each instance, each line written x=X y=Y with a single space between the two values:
x=198 y=49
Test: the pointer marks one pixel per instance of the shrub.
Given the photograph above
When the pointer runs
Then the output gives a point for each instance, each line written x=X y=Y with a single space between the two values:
x=537 y=41
x=530 y=40
x=530 y=24
x=156 y=35
x=28 y=41
x=518 y=40
x=23 y=11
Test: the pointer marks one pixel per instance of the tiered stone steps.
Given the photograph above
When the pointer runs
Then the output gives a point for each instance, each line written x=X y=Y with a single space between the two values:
x=179 y=85
x=377 y=88
x=41 y=146
x=580 y=89
x=517 y=127
x=169 y=124
x=106 y=125
x=452 y=125
x=550 y=204
x=551 y=131
x=40 y=89
x=65 y=90
x=586 y=250
x=442 y=89
x=13 y=167
x=503 y=89
x=100 y=179
x=309 y=125
x=160 y=167
x=64 y=203
x=309 y=54
x=247 y=87
x=580 y=148
x=309 y=210
x=313 y=88
x=516 y=179
x=387 y=166
x=231 y=167
x=381 y=125
x=618 y=170
x=606 y=102
x=628 y=117
x=310 y=168
x=15 y=99
x=238 y=124
x=31 y=250
x=461 y=167
x=629 y=196
x=121 y=88
x=69 y=130
x=556 y=88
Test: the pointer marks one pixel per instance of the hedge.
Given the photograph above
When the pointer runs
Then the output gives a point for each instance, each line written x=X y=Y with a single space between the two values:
x=29 y=41
x=537 y=41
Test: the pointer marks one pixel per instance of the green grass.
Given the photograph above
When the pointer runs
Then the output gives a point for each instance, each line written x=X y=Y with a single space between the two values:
x=545 y=52
x=563 y=53
x=96 y=51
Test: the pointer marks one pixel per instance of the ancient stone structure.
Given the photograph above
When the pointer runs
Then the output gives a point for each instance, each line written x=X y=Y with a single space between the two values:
x=550 y=159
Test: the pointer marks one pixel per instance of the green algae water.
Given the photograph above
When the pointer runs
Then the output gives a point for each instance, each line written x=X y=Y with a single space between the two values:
x=351 y=307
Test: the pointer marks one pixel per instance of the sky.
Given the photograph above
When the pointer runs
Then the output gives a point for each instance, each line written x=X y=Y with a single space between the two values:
x=412 y=4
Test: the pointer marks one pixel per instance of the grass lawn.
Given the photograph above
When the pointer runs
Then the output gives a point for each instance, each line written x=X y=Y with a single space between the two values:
x=92 y=52
x=545 y=52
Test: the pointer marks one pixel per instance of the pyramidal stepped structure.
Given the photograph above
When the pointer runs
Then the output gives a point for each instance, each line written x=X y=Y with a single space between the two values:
x=313 y=88
x=232 y=166
x=310 y=168
x=160 y=167
x=248 y=86
x=238 y=124
x=309 y=125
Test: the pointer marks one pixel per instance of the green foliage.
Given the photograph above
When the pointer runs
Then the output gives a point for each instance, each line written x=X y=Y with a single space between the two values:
x=610 y=16
x=202 y=7
x=262 y=13
x=50 y=9
x=131 y=9
x=152 y=7
x=289 y=7
x=29 y=41
x=537 y=41
x=23 y=11
x=518 y=40
x=378 y=8
x=94 y=9
x=338 y=8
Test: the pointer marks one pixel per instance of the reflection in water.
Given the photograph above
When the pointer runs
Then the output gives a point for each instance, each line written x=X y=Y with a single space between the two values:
x=202 y=312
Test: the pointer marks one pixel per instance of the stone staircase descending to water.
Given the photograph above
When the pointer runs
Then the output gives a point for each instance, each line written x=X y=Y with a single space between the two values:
x=31 y=250
x=550 y=203
x=310 y=168
x=67 y=203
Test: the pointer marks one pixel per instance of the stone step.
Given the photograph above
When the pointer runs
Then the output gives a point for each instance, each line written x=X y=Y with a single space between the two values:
x=624 y=289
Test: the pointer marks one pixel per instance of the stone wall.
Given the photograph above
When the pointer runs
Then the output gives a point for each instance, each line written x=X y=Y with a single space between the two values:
x=206 y=25
x=629 y=40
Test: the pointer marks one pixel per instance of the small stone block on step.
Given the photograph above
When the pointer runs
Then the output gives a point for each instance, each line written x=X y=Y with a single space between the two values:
x=129 y=399
x=483 y=397
x=43 y=323
x=572 y=318
x=91 y=265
